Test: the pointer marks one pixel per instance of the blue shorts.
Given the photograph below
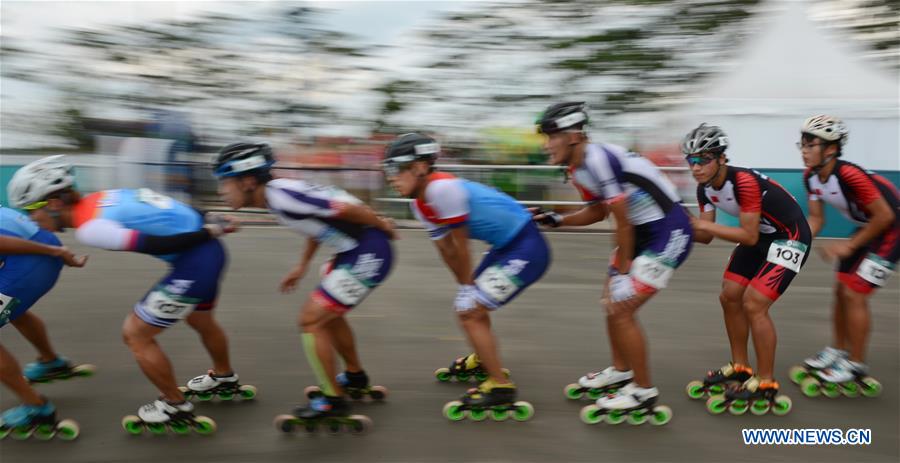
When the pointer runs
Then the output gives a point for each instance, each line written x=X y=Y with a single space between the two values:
x=191 y=284
x=25 y=278
x=660 y=247
x=352 y=275
x=505 y=272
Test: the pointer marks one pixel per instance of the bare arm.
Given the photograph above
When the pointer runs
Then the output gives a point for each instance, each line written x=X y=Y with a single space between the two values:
x=700 y=235
x=747 y=233
x=624 y=236
x=454 y=249
x=816 y=217
x=364 y=215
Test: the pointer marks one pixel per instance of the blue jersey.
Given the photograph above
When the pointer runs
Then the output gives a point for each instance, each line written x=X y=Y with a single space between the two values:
x=492 y=216
x=16 y=224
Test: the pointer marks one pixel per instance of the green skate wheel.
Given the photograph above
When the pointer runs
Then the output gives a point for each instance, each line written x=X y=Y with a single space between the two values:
x=132 y=425
x=760 y=407
x=798 y=374
x=523 y=412
x=573 y=392
x=156 y=428
x=84 y=371
x=204 y=396
x=871 y=387
x=359 y=424
x=462 y=376
x=204 y=425
x=616 y=416
x=738 y=407
x=595 y=394
x=44 y=432
x=716 y=404
x=850 y=389
x=590 y=414
x=499 y=414
x=831 y=390
x=453 y=411
x=782 y=405
x=21 y=432
x=443 y=374
x=481 y=376
x=478 y=414
x=810 y=387
x=716 y=389
x=695 y=389
x=180 y=427
x=247 y=392
x=284 y=423
x=661 y=415
x=226 y=395
x=637 y=417
x=4 y=431
x=67 y=430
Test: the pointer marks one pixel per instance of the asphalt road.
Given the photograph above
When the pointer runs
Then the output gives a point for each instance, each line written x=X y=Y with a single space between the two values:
x=549 y=337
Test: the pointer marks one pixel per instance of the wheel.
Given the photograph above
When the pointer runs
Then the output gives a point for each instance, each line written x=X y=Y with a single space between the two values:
x=204 y=425
x=378 y=392
x=481 y=376
x=132 y=425
x=797 y=374
x=662 y=414
x=180 y=427
x=595 y=394
x=4 y=431
x=21 y=432
x=738 y=407
x=84 y=370
x=573 y=391
x=590 y=414
x=156 y=428
x=44 y=432
x=454 y=411
x=616 y=416
x=67 y=430
x=333 y=426
x=247 y=392
x=637 y=417
x=850 y=389
x=443 y=374
x=695 y=389
x=499 y=414
x=204 y=396
x=359 y=424
x=523 y=412
x=760 y=407
x=831 y=390
x=871 y=387
x=462 y=376
x=716 y=389
x=810 y=387
x=478 y=414
x=226 y=395
x=716 y=404
x=782 y=405
x=284 y=423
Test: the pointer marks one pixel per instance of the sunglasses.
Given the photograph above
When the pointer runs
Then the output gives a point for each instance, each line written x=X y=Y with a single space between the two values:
x=393 y=169
x=807 y=146
x=35 y=206
x=699 y=160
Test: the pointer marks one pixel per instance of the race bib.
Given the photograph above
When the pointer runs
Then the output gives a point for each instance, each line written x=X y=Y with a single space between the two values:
x=651 y=271
x=787 y=253
x=161 y=304
x=159 y=201
x=875 y=270
x=344 y=287
x=496 y=284
x=7 y=303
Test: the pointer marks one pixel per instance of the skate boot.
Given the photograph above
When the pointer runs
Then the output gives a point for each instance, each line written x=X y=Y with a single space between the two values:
x=635 y=404
x=160 y=417
x=226 y=387
x=754 y=394
x=717 y=381
x=489 y=397
x=464 y=368
x=38 y=421
x=333 y=413
x=55 y=370
x=355 y=384
x=598 y=384
x=843 y=377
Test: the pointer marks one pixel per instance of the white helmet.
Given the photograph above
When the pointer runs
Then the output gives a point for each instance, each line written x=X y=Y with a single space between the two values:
x=38 y=179
x=827 y=128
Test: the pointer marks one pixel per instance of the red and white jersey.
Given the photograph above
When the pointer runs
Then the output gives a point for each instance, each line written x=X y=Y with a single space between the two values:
x=849 y=189
x=746 y=190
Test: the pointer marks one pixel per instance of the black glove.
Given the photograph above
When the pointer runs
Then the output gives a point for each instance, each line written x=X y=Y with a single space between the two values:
x=549 y=218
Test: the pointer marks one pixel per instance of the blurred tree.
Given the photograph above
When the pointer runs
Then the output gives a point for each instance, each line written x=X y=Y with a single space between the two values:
x=873 y=23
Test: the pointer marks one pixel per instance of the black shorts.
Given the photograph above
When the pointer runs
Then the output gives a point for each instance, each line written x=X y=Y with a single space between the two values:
x=750 y=265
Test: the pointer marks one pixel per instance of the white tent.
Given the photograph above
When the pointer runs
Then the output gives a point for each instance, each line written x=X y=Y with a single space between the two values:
x=789 y=70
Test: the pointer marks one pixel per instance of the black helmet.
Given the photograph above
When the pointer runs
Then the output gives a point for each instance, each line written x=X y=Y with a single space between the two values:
x=408 y=148
x=562 y=116
x=242 y=158
x=705 y=139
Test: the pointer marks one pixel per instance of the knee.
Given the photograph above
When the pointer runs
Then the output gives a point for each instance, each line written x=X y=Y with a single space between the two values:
x=755 y=308
x=132 y=339
x=729 y=299
x=473 y=316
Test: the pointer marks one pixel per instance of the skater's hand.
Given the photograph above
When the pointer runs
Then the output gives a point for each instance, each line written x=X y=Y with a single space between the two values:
x=69 y=258
x=388 y=226
x=620 y=294
x=698 y=225
x=289 y=283
x=548 y=218
x=220 y=224
x=839 y=249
